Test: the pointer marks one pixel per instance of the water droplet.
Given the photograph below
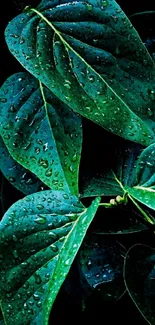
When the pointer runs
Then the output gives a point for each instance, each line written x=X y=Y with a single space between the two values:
x=67 y=85
x=39 y=304
x=6 y=136
x=49 y=172
x=65 y=196
x=54 y=248
x=43 y=163
x=37 y=150
x=8 y=126
x=52 y=235
x=14 y=238
x=91 y=79
x=40 y=206
x=74 y=158
x=104 y=3
x=89 y=6
x=37 y=278
x=40 y=220
x=15 y=253
x=36 y=297
x=3 y=100
x=11 y=179
x=68 y=98
x=149 y=112
x=67 y=262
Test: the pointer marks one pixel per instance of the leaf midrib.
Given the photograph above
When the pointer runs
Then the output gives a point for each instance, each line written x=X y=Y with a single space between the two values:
x=67 y=46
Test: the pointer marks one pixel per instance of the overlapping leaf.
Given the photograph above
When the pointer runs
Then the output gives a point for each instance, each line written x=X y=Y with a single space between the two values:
x=101 y=267
x=139 y=275
x=39 y=238
x=16 y=174
x=40 y=132
x=144 y=189
x=91 y=57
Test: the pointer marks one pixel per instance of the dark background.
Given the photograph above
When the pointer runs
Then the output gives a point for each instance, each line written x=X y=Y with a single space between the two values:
x=67 y=308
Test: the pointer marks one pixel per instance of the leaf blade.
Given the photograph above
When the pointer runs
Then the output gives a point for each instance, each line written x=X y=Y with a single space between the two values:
x=130 y=122
x=49 y=146
x=33 y=232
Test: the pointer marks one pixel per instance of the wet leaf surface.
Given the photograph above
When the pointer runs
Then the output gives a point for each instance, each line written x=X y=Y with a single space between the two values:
x=16 y=174
x=40 y=132
x=39 y=239
x=90 y=56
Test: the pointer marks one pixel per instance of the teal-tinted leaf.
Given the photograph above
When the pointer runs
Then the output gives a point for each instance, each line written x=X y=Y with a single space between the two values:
x=144 y=195
x=40 y=132
x=144 y=189
x=39 y=238
x=16 y=174
x=102 y=184
x=139 y=275
x=101 y=267
x=91 y=57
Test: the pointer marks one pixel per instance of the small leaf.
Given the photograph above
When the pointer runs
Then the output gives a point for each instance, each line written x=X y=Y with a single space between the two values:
x=39 y=238
x=92 y=58
x=17 y=175
x=45 y=134
x=139 y=276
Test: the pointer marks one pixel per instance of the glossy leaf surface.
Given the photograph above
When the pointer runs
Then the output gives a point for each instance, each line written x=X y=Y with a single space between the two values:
x=91 y=57
x=40 y=132
x=39 y=238
x=16 y=174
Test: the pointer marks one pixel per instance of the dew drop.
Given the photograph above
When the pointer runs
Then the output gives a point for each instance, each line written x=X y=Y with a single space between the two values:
x=49 y=172
x=37 y=278
x=54 y=248
x=43 y=163
x=40 y=220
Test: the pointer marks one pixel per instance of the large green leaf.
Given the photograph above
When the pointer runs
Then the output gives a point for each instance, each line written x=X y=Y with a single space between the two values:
x=16 y=174
x=144 y=189
x=39 y=238
x=91 y=57
x=41 y=132
x=139 y=275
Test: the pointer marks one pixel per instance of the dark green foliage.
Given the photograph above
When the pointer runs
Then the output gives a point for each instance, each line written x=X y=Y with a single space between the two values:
x=85 y=63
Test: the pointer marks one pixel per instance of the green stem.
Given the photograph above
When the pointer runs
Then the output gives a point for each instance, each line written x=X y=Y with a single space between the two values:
x=147 y=218
x=120 y=184
x=107 y=205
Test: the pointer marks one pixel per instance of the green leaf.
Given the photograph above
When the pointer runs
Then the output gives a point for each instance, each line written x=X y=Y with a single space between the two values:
x=101 y=266
x=18 y=176
x=39 y=239
x=144 y=189
x=139 y=275
x=45 y=136
x=91 y=57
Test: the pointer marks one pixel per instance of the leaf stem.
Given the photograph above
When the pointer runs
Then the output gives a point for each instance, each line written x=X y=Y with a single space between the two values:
x=120 y=184
x=142 y=13
x=147 y=218
x=107 y=205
